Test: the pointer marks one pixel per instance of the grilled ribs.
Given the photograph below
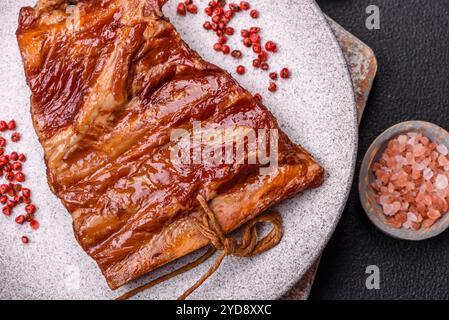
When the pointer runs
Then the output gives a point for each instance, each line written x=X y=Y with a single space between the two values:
x=107 y=92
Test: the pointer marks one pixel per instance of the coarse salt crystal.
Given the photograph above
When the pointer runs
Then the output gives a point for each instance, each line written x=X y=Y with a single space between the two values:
x=427 y=174
x=424 y=140
x=390 y=187
x=391 y=209
x=384 y=199
x=422 y=188
x=402 y=139
x=420 y=218
x=443 y=161
x=419 y=150
x=405 y=206
x=412 y=217
x=441 y=182
x=441 y=148
x=400 y=160
x=434 y=214
x=419 y=166
x=426 y=162
x=407 y=224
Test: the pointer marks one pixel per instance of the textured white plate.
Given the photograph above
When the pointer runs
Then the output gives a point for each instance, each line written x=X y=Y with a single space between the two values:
x=315 y=108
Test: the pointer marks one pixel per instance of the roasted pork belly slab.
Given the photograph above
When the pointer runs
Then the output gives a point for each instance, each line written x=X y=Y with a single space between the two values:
x=107 y=93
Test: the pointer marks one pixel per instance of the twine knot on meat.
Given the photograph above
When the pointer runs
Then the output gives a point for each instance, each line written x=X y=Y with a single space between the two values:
x=210 y=228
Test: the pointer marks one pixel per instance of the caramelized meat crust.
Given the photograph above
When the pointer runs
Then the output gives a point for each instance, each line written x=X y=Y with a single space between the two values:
x=107 y=92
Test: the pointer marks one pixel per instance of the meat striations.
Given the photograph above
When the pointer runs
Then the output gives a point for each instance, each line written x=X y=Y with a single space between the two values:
x=107 y=93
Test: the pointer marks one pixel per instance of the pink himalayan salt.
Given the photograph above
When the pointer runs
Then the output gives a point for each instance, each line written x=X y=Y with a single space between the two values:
x=402 y=139
x=407 y=224
x=441 y=182
x=412 y=181
x=391 y=209
x=427 y=223
x=441 y=148
x=434 y=214
x=412 y=217
x=427 y=174
x=419 y=150
x=443 y=161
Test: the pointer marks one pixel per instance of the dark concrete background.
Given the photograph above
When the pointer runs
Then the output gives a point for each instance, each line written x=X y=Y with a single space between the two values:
x=412 y=48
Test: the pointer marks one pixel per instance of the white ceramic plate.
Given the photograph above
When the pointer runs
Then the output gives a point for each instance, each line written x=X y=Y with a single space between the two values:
x=315 y=108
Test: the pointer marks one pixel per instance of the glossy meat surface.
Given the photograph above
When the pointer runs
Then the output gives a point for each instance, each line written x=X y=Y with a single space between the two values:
x=107 y=94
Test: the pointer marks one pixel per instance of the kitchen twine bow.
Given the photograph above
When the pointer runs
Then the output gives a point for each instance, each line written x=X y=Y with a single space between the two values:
x=211 y=229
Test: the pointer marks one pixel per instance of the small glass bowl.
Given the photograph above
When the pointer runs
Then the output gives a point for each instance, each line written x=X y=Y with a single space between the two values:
x=367 y=178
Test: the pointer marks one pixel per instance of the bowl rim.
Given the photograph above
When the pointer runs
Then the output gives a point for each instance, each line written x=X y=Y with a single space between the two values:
x=430 y=130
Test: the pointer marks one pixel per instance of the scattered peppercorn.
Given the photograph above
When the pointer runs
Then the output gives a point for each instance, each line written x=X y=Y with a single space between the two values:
x=30 y=209
x=20 y=219
x=14 y=156
x=271 y=46
x=207 y=25
x=20 y=177
x=34 y=224
x=16 y=166
x=12 y=194
x=264 y=66
x=272 y=87
x=257 y=48
x=229 y=31
x=208 y=11
x=256 y=63
x=220 y=14
x=225 y=49
x=244 y=5
x=255 y=38
x=241 y=69
x=26 y=192
x=15 y=137
x=222 y=39
x=245 y=33
x=218 y=11
x=237 y=54
x=6 y=211
x=229 y=14
x=11 y=125
x=254 y=30
x=191 y=8
x=234 y=7
x=254 y=14
x=181 y=9
x=263 y=56
x=247 y=42
x=285 y=73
